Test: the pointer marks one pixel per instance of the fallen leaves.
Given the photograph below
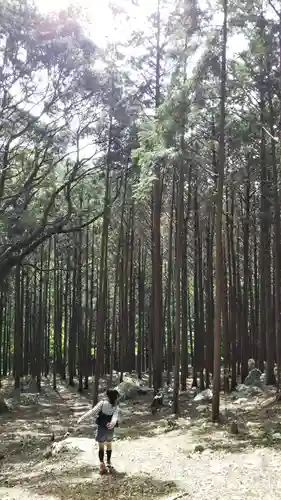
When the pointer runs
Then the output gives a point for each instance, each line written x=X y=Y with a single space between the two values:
x=111 y=487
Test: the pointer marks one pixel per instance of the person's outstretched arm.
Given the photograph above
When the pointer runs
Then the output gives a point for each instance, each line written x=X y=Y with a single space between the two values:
x=91 y=413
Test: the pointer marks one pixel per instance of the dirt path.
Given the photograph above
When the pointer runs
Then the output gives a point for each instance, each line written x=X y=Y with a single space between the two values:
x=209 y=475
x=157 y=464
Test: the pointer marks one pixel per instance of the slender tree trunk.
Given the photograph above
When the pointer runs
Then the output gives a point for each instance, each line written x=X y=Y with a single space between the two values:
x=218 y=229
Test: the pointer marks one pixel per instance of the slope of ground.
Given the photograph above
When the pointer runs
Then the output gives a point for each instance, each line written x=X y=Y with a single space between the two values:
x=155 y=456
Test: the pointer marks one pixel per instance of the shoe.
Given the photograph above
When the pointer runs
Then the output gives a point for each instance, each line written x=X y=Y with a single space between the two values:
x=110 y=468
x=103 y=469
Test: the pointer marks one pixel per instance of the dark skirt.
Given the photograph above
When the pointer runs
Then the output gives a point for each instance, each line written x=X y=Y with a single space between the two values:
x=104 y=435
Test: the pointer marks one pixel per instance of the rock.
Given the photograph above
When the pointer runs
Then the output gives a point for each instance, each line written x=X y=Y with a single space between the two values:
x=241 y=388
x=257 y=390
x=240 y=401
x=199 y=448
x=71 y=446
x=263 y=379
x=130 y=388
x=254 y=377
x=244 y=391
x=201 y=408
x=206 y=395
x=48 y=454
x=4 y=406
x=172 y=424
x=251 y=364
x=276 y=436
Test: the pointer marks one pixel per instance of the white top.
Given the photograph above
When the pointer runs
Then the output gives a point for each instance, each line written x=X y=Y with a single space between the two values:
x=106 y=408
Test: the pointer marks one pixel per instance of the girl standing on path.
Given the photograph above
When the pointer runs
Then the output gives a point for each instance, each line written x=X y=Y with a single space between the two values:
x=106 y=412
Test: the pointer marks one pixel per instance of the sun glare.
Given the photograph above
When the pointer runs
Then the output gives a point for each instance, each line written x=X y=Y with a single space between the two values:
x=99 y=16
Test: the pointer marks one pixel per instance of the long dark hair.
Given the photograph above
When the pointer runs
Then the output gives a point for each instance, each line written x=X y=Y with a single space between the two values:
x=112 y=395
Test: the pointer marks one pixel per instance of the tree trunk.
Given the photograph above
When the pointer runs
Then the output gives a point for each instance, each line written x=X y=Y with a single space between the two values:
x=218 y=229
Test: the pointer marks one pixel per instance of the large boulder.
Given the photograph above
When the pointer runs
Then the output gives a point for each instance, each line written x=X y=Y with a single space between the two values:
x=254 y=378
x=204 y=396
x=131 y=388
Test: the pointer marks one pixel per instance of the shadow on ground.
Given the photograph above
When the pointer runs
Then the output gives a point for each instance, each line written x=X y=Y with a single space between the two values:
x=86 y=484
x=115 y=487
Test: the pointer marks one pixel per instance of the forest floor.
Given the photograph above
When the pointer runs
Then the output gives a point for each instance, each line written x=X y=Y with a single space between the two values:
x=155 y=456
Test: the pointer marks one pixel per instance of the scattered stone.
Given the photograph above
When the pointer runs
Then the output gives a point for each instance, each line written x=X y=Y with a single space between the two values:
x=206 y=395
x=241 y=388
x=254 y=377
x=245 y=391
x=48 y=454
x=199 y=448
x=71 y=446
x=172 y=424
x=202 y=408
x=241 y=401
x=276 y=435
x=63 y=447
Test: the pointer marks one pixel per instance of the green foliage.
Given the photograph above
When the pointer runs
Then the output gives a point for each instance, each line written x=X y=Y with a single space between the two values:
x=152 y=153
x=80 y=161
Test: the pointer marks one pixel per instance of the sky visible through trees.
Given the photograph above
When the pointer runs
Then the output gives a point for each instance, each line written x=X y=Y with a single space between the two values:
x=140 y=192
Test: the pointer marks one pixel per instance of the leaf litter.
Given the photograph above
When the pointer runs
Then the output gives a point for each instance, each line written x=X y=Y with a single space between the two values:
x=195 y=459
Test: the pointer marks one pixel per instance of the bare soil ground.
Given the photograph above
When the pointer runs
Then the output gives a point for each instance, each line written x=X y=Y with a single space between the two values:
x=155 y=456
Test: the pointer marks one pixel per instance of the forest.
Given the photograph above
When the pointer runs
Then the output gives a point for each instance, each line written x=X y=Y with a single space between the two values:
x=140 y=196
